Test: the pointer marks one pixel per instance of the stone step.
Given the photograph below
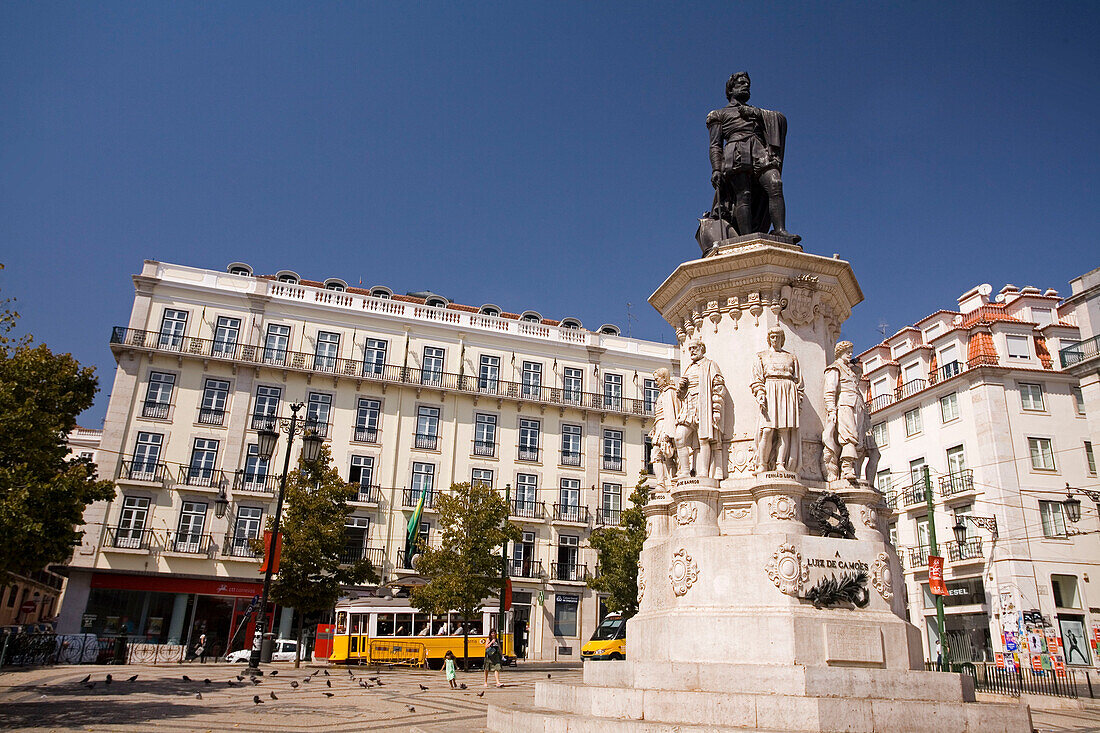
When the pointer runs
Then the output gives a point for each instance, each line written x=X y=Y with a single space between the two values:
x=746 y=711
x=534 y=720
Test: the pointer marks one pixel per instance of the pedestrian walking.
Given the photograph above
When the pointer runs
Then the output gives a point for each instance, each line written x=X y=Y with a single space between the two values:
x=494 y=658
x=200 y=649
x=449 y=668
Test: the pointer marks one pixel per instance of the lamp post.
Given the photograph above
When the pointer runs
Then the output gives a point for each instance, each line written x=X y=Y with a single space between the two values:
x=1072 y=506
x=266 y=441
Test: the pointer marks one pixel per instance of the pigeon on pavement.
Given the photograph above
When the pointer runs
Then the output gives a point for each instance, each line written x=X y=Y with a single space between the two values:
x=481 y=694
x=109 y=680
x=274 y=672
x=294 y=684
x=329 y=694
x=272 y=695
x=131 y=679
x=198 y=695
x=422 y=687
x=328 y=682
x=186 y=678
x=256 y=699
x=411 y=708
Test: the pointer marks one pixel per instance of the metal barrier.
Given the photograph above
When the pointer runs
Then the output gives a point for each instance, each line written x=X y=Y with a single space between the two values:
x=398 y=653
x=44 y=649
x=1016 y=680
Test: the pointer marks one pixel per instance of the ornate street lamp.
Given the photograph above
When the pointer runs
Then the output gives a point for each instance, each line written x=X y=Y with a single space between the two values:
x=1072 y=506
x=960 y=530
x=221 y=503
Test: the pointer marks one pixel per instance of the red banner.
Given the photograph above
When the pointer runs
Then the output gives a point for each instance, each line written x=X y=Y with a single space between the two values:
x=935 y=576
x=507 y=594
x=278 y=551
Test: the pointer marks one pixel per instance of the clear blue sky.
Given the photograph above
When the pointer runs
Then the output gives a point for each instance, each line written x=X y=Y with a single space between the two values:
x=547 y=156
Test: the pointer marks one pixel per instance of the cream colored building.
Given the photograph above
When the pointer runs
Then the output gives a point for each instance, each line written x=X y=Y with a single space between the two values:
x=975 y=395
x=412 y=392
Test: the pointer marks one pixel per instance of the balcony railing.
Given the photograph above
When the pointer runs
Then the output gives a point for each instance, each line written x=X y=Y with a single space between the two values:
x=913 y=494
x=883 y=400
x=528 y=509
x=612 y=463
x=191 y=543
x=355 y=553
x=367 y=494
x=322 y=429
x=891 y=497
x=262 y=421
x=409 y=498
x=139 y=470
x=570 y=458
x=211 y=416
x=571 y=513
x=240 y=547
x=203 y=477
x=1079 y=352
x=911 y=388
x=948 y=370
x=425 y=441
x=527 y=453
x=484 y=448
x=918 y=556
x=156 y=410
x=366 y=435
x=568 y=571
x=970 y=549
x=258 y=483
x=391 y=373
x=608 y=517
x=131 y=539
x=957 y=483
x=524 y=568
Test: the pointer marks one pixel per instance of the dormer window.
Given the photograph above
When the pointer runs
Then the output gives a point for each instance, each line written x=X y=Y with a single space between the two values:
x=239 y=268
x=531 y=317
x=334 y=283
x=571 y=323
x=490 y=310
x=287 y=276
x=383 y=293
x=609 y=329
x=435 y=303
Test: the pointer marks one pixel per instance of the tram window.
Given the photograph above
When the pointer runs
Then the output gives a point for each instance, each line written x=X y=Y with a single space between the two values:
x=385 y=624
x=357 y=626
x=341 y=622
x=475 y=626
x=422 y=623
x=404 y=624
x=439 y=625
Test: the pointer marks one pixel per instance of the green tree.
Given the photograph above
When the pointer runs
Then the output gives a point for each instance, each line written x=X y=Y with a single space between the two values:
x=618 y=549
x=43 y=493
x=311 y=568
x=466 y=568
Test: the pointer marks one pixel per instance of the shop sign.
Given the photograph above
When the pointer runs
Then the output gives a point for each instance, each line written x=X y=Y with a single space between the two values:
x=935 y=576
x=567 y=598
x=175 y=584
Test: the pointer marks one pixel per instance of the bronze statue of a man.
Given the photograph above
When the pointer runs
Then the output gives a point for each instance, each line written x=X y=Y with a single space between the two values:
x=746 y=157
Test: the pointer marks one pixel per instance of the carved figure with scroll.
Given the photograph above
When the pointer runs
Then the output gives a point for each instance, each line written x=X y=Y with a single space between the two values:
x=847 y=437
x=663 y=435
x=702 y=392
x=779 y=390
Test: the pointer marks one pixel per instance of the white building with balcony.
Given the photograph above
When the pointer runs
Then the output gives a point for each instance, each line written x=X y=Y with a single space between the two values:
x=974 y=396
x=1082 y=359
x=411 y=392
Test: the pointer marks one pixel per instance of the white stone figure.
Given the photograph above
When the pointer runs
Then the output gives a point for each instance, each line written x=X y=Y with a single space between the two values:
x=847 y=437
x=663 y=435
x=701 y=391
x=778 y=387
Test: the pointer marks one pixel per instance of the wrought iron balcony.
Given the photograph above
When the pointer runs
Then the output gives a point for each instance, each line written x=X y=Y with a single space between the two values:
x=608 y=517
x=141 y=470
x=612 y=463
x=485 y=448
x=527 y=453
x=524 y=568
x=355 y=553
x=366 y=435
x=971 y=549
x=410 y=497
x=957 y=483
x=568 y=571
x=948 y=370
x=241 y=547
x=211 y=416
x=570 y=458
x=156 y=410
x=131 y=539
x=571 y=513
x=262 y=421
x=189 y=542
x=425 y=441
x=367 y=494
x=883 y=400
x=209 y=478
x=528 y=509
x=1079 y=352
x=257 y=483
x=914 y=494
x=918 y=556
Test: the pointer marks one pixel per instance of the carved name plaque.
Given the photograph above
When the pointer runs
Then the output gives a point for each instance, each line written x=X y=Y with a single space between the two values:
x=853 y=644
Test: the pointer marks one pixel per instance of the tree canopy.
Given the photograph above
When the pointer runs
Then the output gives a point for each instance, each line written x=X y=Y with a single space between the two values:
x=466 y=568
x=618 y=549
x=43 y=493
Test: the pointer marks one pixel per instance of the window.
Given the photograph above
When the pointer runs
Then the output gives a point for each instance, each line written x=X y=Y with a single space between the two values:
x=339 y=288
x=571 y=445
x=435 y=303
x=567 y=558
x=898 y=349
x=523 y=556
x=1018 y=347
x=204 y=454
x=932 y=332
x=432 y=372
x=291 y=279
x=226 y=334
x=572 y=384
x=423 y=478
x=949 y=361
x=531 y=317
x=1078 y=400
x=361 y=471
x=532 y=379
x=356 y=537
x=1054 y=522
x=613 y=450
x=1041 y=316
x=427 y=427
x=913 y=423
x=912 y=372
x=880 y=387
x=146 y=456
x=880 y=434
x=650 y=393
x=569 y=499
x=528 y=440
x=611 y=504
x=916 y=471
x=488 y=374
x=922 y=532
x=527 y=485
x=245 y=529
x=240 y=270
x=613 y=391
x=490 y=310
x=1065 y=591
x=192 y=523
x=882 y=480
x=158 y=395
x=267 y=407
x=1031 y=396
x=956 y=461
x=215 y=395
x=318 y=412
x=1090 y=457
x=366 y=420
x=485 y=435
x=374 y=357
x=255 y=469
x=949 y=407
x=565 y=614
x=483 y=476
x=893 y=530
x=276 y=343
x=571 y=324
x=131 y=521
x=173 y=324
x=382 y=293
x=1042 y=454
x=328 y=348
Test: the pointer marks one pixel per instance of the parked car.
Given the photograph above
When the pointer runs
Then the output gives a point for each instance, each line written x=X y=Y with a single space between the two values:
x=283 y=651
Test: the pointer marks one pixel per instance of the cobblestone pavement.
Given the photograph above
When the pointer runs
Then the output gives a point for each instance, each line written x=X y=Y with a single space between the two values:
x=53 y=698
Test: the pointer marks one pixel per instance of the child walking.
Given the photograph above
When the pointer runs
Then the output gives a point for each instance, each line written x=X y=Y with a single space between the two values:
x=449 y=668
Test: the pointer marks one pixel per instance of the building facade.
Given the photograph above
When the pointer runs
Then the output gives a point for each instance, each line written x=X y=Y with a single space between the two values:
x=411 y=392
x=1082 y=359
x=973 y=396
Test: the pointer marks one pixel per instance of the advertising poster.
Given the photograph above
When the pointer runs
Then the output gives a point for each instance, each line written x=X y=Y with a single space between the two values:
x=1037 y=664
x=1010 y=642
x=935 y=576
x=1059 y=664
x=1035 y=642
x=1073 y=640
x=999 y=659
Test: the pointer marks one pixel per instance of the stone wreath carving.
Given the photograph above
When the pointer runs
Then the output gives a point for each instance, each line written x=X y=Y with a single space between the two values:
x=881 y=578
x=641 y=582
x=686 y=513
x=683 y=572
x=787 y=571
x=782 y=507
x=738 y=512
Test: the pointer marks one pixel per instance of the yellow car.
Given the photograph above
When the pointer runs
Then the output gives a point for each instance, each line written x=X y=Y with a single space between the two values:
x=609 y=641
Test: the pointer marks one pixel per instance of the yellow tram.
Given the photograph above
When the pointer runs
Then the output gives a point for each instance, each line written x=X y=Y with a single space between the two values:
x=390 y=631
